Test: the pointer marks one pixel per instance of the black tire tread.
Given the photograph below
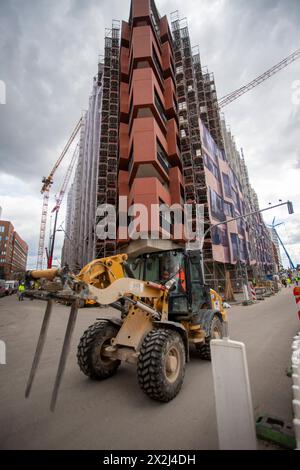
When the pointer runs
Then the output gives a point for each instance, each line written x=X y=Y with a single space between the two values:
x=85 y=347
x=149 y=366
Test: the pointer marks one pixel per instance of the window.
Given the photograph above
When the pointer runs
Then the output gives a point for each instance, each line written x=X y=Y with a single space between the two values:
x=155 y=25
x=130 y=160
x=141 y=23
x=157 y=63
x=162 y=157
x=0 y=238
x=224 y=237
x=215 y=236
x=219 y=236
x=175 y=105
x=2 y=228
x=182 y=105
x=216 y=205
x=226 y=182
x=234 y=197
x=242 y=249
x=240 y=226
x=141 y=64
x=165 y=221
x=212 y=167
x=235 y=246
x=131 y=108
x=144 y=112
x=159 y=106
x=228 y=209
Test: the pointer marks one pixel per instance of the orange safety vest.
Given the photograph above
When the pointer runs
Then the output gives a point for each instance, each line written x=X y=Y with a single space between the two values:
x=181 y=276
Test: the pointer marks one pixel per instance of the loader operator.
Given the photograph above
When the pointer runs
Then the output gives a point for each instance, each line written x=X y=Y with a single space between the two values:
x=180 y=279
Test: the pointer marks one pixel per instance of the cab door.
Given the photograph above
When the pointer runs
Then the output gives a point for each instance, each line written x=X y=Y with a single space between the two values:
x=199 y=294
x=179 y=302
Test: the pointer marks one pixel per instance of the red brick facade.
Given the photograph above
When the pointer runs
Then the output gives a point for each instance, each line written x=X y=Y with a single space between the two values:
x=149 y=166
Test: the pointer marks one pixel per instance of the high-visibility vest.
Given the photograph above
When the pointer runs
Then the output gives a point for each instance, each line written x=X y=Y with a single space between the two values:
x=21 y=288
x=181 y=276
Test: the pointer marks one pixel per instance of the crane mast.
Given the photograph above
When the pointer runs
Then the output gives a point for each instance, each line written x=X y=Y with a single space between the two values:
x=59 y=200
x=47 y=183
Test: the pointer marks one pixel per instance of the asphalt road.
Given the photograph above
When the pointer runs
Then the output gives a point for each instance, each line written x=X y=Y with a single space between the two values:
x=115 y=414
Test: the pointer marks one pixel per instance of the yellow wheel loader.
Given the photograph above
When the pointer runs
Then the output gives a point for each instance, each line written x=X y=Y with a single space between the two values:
x=164 y=308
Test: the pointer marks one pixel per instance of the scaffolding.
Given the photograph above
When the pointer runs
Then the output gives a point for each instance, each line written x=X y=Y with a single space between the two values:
x=207 y=99
x=195 y=188
x=79 y=243
x=107 y=191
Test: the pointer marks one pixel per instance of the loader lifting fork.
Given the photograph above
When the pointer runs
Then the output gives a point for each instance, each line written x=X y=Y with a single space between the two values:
x=164 y=308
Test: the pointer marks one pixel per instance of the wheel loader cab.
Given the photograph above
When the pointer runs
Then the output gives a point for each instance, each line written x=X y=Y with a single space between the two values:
x=181 y=270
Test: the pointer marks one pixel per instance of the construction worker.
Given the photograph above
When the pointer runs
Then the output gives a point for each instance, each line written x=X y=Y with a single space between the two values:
x=21 y=291
x=181 y=279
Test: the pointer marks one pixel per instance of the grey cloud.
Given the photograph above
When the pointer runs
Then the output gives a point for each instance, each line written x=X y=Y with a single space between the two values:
x=50 y=56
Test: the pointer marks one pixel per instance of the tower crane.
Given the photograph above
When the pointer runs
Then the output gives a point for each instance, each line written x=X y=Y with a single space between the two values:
x=47 y=183
x=273 y=227
x=59 y=200
x=230 y=97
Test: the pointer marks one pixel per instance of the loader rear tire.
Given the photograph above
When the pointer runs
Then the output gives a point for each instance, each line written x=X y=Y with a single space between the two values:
x=89 y=357
x=161 y=364
x=215 y=332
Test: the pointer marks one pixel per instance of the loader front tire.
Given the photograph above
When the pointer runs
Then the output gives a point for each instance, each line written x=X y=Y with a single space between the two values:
x=90 y=360
x=161 y=364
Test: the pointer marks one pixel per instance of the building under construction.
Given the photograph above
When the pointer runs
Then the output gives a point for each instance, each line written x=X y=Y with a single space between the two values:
x=153 y=133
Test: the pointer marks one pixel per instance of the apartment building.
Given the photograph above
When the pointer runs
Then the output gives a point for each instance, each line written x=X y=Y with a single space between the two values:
x=13 y=251
x=162 y=141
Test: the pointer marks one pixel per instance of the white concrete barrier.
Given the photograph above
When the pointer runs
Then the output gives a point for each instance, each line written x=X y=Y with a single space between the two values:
x=235 y=417
x=296 y=423
x=296 y=386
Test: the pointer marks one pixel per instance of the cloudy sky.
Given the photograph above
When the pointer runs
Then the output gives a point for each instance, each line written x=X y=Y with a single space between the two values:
x=49 y=52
